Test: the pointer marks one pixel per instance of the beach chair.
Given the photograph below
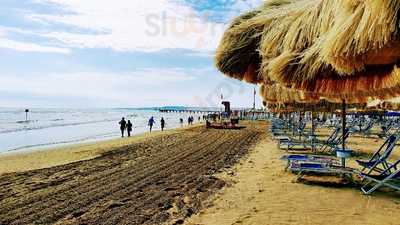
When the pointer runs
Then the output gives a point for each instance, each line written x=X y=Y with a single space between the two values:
x=366 y=131
x=302 y=168
x=310 y=159
x=387 y=178
x=333 y=135
x=287 y=143
x=278 y=127
x=334 y=140
x=378 y=162
x=389 y=128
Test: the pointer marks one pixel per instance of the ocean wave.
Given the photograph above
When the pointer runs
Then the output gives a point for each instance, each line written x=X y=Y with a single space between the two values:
x=26 y=121
x=45 y=126
x=80 y=140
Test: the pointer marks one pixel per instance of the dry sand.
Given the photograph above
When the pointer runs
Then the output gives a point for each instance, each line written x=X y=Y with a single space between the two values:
x=262 y=193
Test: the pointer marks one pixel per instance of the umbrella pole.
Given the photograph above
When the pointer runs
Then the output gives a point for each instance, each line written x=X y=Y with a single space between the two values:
x=294 y=125
x=312 y=130
x=343 y=130
x=300 y=122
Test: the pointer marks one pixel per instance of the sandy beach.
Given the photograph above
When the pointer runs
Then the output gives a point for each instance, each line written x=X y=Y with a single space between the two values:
x=260 y=191
x=189 y=175
x=151 y=179
x=251 y=112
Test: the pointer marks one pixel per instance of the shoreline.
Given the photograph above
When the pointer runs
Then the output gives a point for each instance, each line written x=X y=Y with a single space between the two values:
x=50 y=156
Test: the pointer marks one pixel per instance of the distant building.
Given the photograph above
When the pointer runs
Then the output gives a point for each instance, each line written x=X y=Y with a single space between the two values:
x=227 y=107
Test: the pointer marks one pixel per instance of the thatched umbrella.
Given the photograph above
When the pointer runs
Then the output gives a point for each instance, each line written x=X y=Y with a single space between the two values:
x=391 y=104
x=322 y=106
x=276 y=93
x=237 y=54
x=345 y=49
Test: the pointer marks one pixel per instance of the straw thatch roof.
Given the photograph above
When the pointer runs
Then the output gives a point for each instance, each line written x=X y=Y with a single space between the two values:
x=322 y=106
x=277 y=93
x=391 y=104
x=280 y=94
x=237 y=55
x=339 y=49
x=278 y=98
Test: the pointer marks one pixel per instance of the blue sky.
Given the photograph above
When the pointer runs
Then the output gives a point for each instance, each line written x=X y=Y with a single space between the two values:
x=120 y=53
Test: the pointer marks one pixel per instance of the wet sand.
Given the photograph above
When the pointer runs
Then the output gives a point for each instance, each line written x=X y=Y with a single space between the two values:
x=161 y=178
x=261 y=192
x=45 y=158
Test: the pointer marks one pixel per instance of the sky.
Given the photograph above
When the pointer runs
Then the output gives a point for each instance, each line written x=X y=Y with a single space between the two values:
x=119 y=53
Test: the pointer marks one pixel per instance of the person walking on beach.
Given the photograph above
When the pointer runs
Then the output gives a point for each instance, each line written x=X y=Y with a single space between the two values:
x=181 y=121
x=162 y=123
x=129 y=126
x=122 y=126
x=151 y=123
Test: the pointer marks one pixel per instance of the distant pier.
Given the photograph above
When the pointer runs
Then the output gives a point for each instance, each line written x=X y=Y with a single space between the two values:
x=192 y=111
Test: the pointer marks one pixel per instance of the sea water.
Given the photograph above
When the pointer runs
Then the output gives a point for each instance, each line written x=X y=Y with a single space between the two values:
x=52 y=127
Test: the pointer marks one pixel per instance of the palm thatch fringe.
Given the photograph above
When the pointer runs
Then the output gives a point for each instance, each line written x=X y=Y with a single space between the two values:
x=340 y=49
x=322 y=106
x=237 y=55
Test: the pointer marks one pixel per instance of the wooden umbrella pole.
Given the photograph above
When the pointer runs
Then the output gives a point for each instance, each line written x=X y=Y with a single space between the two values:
x=300 y=122
x=312 y=129
x=343 y=130
x=343 y=124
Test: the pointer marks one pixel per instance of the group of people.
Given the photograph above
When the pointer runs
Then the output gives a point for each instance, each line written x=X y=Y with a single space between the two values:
x=128 y=126
x=190 y=120
x=123 y=125
x=152 y=122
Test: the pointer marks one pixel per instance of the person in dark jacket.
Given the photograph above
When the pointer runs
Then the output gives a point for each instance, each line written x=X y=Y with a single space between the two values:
x=151 y=123
x=129 y=126
x=122 y=126
x=162 y=123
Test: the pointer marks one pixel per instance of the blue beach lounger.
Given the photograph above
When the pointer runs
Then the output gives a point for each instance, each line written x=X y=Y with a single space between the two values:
x=378 y=162
x=302 y=168
x=387 y=178
x=310 y=159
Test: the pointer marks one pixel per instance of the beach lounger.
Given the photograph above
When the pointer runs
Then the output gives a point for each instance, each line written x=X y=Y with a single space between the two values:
x=311 y=159
x=387 y=178
x=366 y=131
x=302 y=168
x=314 y=158
x=378 y=162
x=286 y=143
x=386 y=126
x=334 y=140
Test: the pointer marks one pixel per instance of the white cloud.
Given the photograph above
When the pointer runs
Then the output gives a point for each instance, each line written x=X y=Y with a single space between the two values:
x=129 y=25
x=149 y=87
x=29 y=47
x=25 y=46
x=99 y=86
